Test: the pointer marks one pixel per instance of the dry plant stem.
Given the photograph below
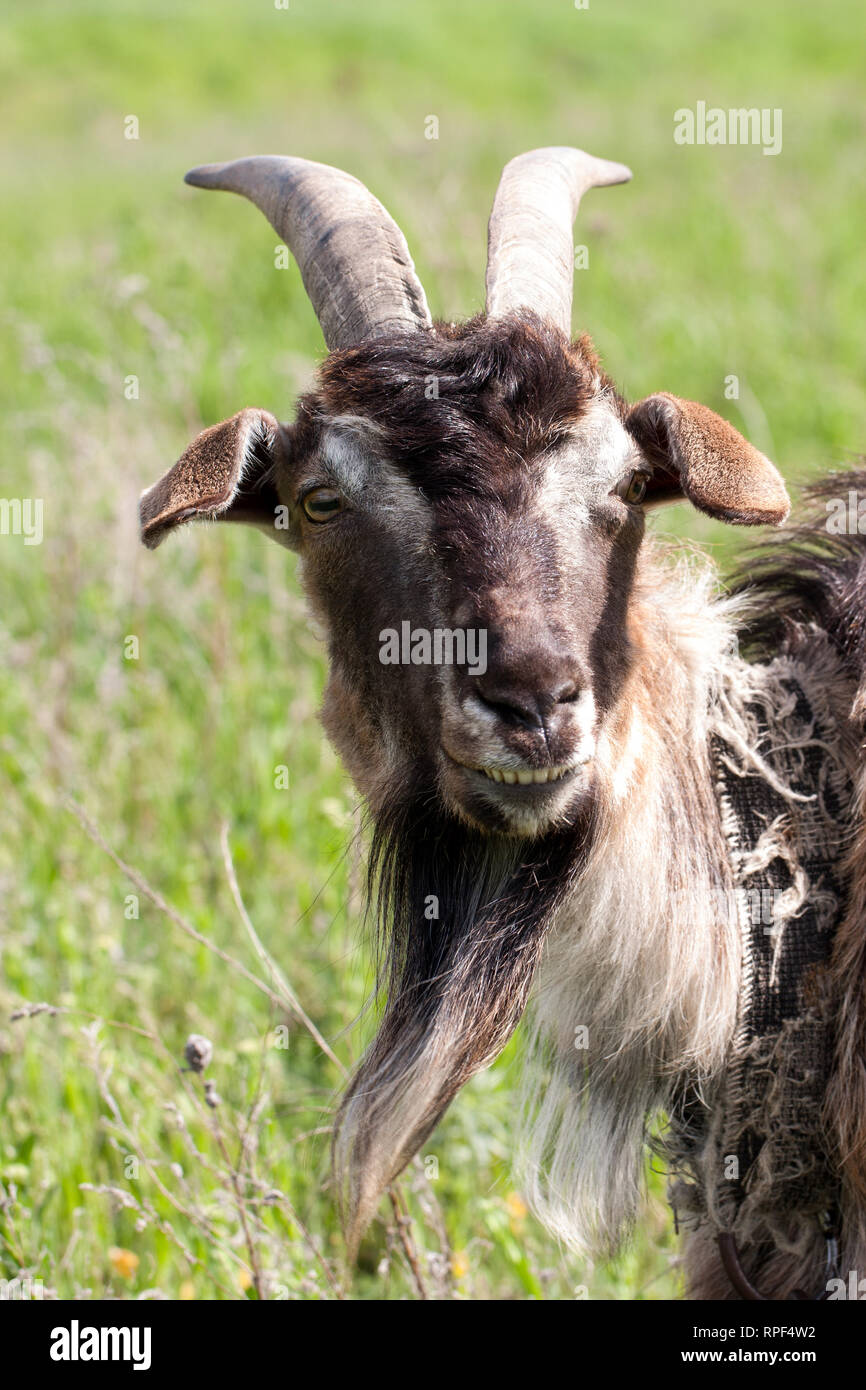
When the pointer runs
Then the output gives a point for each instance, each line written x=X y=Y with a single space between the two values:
x=187 y=928
x=6 y=1208
x=288 y=994
x=307 y=1236
x=403 y=1221
x=33 y=1010
x=145 y=1209
x=432 y=1211
x=232 y=1170
x=66 y=1257
x=438 y=1216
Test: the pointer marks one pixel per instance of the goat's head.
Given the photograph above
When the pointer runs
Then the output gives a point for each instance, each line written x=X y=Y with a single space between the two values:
x=468 y=501
x=481 y=485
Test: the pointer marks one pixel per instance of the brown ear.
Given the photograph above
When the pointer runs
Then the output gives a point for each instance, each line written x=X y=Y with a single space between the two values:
x=697 y=453
x=226 y=474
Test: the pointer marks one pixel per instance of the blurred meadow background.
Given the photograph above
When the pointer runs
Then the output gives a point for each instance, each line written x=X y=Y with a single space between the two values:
x=231 y=905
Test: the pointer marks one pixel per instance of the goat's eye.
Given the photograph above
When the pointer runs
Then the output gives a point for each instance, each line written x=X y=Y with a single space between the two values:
x=632 y=488
x=322 y=504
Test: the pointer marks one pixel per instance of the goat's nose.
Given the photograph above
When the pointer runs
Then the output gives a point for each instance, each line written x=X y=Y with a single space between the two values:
x=517 y=703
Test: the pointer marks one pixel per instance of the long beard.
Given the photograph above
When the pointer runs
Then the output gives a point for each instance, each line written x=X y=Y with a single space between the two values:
x=462 y=919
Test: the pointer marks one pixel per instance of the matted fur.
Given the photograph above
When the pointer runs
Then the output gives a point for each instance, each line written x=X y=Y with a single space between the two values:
x=814 y=583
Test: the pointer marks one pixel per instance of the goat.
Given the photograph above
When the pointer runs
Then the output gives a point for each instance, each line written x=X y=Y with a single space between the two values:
x=561 y=820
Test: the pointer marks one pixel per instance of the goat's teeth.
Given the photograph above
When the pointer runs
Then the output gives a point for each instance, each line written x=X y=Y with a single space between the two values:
x=525 y=776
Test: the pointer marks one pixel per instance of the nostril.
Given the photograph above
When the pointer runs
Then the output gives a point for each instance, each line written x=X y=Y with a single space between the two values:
x=513 y=709
x=530 y=709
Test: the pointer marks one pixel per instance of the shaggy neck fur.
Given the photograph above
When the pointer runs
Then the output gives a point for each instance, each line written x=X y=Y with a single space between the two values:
x=636 y=998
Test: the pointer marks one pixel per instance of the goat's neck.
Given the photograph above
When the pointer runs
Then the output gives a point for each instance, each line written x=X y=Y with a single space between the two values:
x=636 y=994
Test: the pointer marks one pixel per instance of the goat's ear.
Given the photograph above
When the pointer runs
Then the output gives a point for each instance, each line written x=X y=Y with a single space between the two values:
x=697 y=454
x=226 y=474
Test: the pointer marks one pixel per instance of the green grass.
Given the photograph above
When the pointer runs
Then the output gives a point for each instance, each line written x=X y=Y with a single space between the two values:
x=713 y=262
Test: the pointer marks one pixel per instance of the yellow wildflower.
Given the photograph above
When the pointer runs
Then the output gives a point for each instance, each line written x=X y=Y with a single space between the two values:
x=123 y=1262
x=516 y=1208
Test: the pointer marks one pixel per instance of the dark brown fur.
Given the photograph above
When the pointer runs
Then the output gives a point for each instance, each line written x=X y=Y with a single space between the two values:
x=505 y=390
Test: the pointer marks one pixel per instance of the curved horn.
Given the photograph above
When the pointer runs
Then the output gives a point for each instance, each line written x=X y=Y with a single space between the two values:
x=353 y=258
x=530 y=253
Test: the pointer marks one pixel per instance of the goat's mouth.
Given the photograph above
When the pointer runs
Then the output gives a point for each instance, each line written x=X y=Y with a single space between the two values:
x=519 y=800
x=518 y=776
